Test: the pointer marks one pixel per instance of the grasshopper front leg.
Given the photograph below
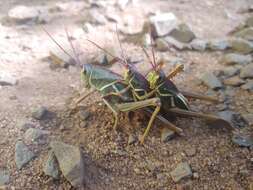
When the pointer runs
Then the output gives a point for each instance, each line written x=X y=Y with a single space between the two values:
x=131 y=106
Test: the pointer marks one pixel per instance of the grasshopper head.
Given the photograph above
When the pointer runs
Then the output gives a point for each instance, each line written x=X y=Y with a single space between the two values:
x=153 y=77
x=85 y=75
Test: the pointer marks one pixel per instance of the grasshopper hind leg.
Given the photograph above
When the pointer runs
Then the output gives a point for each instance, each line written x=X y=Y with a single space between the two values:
x=115 y=113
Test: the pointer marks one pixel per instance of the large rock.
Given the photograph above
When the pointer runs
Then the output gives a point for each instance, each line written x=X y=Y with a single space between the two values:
x=241 y=46
x=51 y=167
x=163 y=23
x=247 y=71
x=246 y=33
x=234 y=58
x=22 y=154
x=4 y=177
x=23 y=14
x=70 y=161
x=7 y=79
x=182 y=33
x=183 y=170
x=211 y=81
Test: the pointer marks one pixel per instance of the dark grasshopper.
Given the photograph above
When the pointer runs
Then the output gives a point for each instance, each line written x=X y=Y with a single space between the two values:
x=118 y=94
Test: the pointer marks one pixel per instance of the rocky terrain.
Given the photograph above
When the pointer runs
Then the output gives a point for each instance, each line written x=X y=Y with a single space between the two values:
x=44 y=145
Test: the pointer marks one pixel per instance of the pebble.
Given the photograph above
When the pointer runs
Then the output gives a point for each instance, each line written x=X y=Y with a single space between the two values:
x=218 y=44
x=196 y=175
x=4 y=177
x=242 y=140
x=183 y=170
x=26 y=126
x=33 y=134
x=247 y=71
x=70 y=162
x=248 y=86
x=176 y=44
x=190 y=151
x=51 y=167
x=249 y=21
x=234 y=81
x=227 y=115
x=198 y=45
x=182 y=33
x=246 y=33
x=230 y=71
x=23 y=14
x=131 y=139
x=248 y=118
x=84 y=114
x=167 y=134
x=40 y=113
x=163 y=23
x=161 y=44
x=241 y=46
x=7 y=79
x=235 y=58
x=22 y=154
x=211 y=81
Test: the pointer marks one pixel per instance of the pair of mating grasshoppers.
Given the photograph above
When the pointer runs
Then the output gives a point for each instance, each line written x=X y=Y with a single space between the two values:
x=154 y=92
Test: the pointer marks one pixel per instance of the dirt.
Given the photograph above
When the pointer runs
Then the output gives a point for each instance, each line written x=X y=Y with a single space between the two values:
x=219 y=163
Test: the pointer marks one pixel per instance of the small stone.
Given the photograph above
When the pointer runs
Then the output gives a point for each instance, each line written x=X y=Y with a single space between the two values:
x=26 y=126
x=211 y=81
x=182 y=171
x=218 y=45
x=243 y=140
x=167 y=134
x=95 y=17
x=241 y=45
x=40 y=113
x=198 y=45
x=33 y=134
x=246 y=33
x=182 y=33
x=234 y=81
x=84 y=115
x=230 y=71
x=161 y=44
x=234 y=58
x=70 y=161
x=176 y=44
x=7 y=79
x=248 y=118
x=196 y=175
x=227 y=115
x=51 y=167
x=22 y=154
x=190 y=151
x=247 y=71
x=163 y=23
x=131 y=139
x=58 y=59
x=249 y=21
x=248 y=86
x=23 y=14
x=4 y=177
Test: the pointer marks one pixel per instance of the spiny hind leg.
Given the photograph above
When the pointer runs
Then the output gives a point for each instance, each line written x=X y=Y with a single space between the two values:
x=131 y=106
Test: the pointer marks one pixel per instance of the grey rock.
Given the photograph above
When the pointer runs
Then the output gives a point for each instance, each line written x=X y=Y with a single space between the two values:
x=198 y=45
x=182 y=33
x=51 y=167
x=161 y=44
x=23 y=14
x=248 y=118
x=234 y=58
x=131 y=139
x=249 y=21
x=227 y=115
x=95 y=17
x=248 y=86
x=167 y=134
x=33 y=134
x=242 y=140
x=218 y=44
x=40 y=113
x=247 y=71
x=84 y=114
x=163 y=23
x=7 y=79
x=241 y=45
x=231 y=71
x=234 y=81
x=176 y=44
x=4 y=177
x=246 y=33
x=22 y=154
x=25 y=126
x=182 y=170
x=211 y=81
x=70 y=161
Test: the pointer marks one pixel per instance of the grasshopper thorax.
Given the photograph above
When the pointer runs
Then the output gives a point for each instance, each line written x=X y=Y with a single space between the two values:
x=153 y=78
